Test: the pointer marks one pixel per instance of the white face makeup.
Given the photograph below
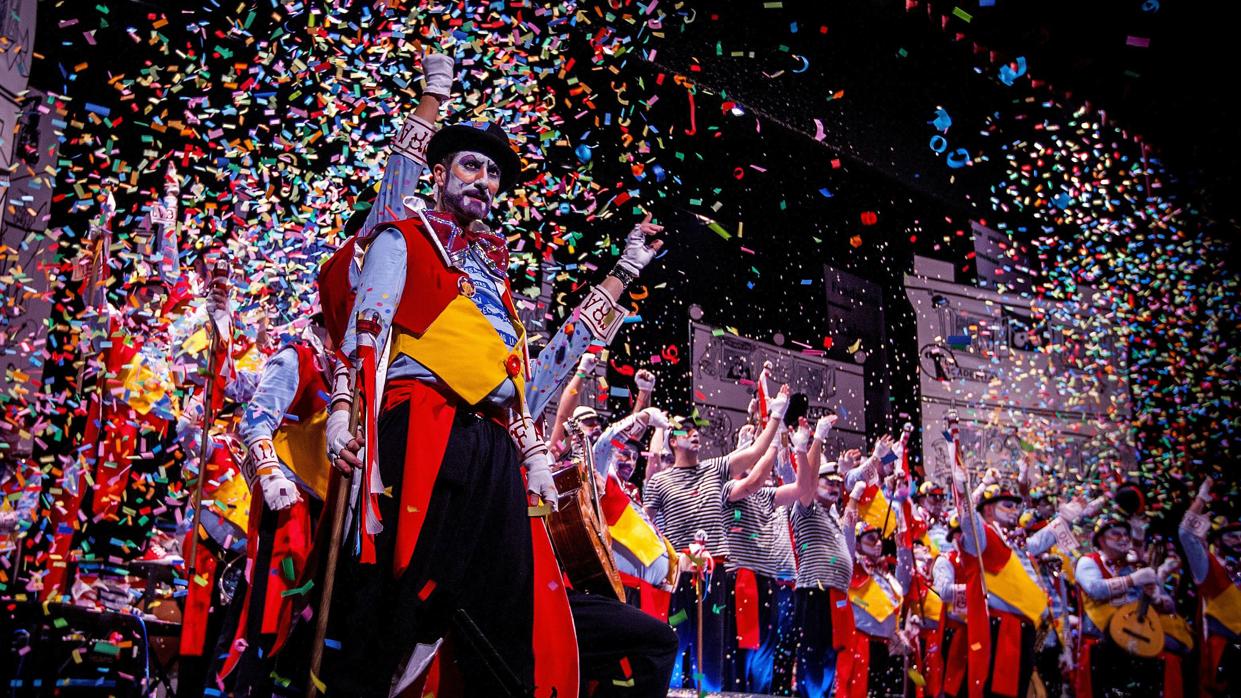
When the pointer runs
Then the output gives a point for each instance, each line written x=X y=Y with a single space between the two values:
x=468 y=185
x=870 y=545
x=828 y=491
x=1116 y=542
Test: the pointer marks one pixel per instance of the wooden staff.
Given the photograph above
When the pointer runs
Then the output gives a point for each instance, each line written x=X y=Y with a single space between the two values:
x=204 y=444
x=955 y=430
x=366 y=329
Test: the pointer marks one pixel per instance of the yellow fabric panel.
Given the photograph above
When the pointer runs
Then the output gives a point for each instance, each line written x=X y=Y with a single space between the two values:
x=932 y=606
x=1014 y=586
x=196 y=343
x=1226 y=608
x=1176 y=628
x=873 y=599
x=1100 y=612
x=873 y=514
x=302 y=447
x=633 y=532
x=142 y=387
x=252 y=360
x=462 y=349
x=231 y=500
x=930 y=544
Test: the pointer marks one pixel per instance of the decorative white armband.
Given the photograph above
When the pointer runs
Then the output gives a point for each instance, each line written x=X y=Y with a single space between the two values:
x=260 y=456
x=1116 y=586
x=959 y=599
x=1064 y=535
x=525 y=437
x=601 y=314
x=341 y=390
x=413 y=139
x=1197 y=524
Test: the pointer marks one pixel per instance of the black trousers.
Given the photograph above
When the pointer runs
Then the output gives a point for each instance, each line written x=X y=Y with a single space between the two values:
x=473 y=554
x=683 y=614
x=768 y=669
x=1024 y=670
x=816 y=656
x=258 y=672
x=1117 y=674
x=619 y=644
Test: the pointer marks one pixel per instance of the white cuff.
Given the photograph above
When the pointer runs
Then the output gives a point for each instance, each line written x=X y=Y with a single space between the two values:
x=601 y=314
x=413 y=139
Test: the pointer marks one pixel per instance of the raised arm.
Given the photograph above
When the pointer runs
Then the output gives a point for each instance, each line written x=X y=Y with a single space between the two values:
x=644 y=379
x=742 y=459
x=848 y=522
x=755 y=478
x=1192 y=533
x=570 y=398
x=807 y=469
x=600 y=314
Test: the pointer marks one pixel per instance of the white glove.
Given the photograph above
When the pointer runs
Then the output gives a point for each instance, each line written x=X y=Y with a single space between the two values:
x=823 y=426
x=745 y=436
x=337 y=432
x=636 y=254
x=859 y=488
x=220 y=313
x=278 y=491
x=883 y=447
x=778 y=405
x=587 y=365
x=1143 y=577
x=801 y=439
x=191 y=414
x=437 y=75
x=8 y=522
x=1094 y=507
x=539 y=480
x=1204 y=490
x=1071 y=511
x=645 y=380
x=655 y=417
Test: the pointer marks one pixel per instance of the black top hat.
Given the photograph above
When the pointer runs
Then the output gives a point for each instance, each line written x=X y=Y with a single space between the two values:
x=1105 y=524
x=479 y=137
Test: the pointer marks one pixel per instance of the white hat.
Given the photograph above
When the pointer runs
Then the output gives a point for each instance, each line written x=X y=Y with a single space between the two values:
x=829 y=467
x=584 y=412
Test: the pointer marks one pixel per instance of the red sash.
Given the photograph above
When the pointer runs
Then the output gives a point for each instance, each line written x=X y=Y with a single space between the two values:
x=652 y=600
x=745 y=592
x=197 y=598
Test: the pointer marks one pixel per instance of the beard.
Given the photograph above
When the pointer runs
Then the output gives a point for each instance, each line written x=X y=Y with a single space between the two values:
x=469 y=202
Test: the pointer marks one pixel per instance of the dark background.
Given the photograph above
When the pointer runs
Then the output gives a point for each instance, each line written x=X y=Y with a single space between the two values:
x=752 y=161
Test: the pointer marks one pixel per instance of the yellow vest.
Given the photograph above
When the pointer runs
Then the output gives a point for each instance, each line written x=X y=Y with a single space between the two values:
x=1226 y=608
x=874 y=599
x=302 y=448
x=462 y=349
x=1014 y=586
x=880 y=514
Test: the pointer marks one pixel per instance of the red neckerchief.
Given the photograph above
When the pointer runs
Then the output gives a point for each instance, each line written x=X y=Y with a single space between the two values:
x=493 y=244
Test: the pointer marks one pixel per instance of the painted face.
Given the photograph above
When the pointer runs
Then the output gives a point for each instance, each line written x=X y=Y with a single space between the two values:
x=935 y=505
x=870 y=545
x=626 y=460
x=1116 y=542
x=593 y=427
x=687 y=442
x=828 y=491
x=1005 y=512
x=468 y=185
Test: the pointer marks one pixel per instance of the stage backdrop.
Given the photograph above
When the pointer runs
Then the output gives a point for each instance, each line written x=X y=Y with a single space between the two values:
x=1023 y=375
x=725 y=367
x=28 y=144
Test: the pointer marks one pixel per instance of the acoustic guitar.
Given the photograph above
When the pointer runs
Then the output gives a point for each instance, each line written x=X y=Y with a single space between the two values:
x=579 y=530
x=1134 y=627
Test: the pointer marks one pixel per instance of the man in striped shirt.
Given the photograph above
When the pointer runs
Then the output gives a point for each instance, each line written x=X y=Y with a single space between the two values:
x=824 y=568
x=753 y=563
x=685 y=498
